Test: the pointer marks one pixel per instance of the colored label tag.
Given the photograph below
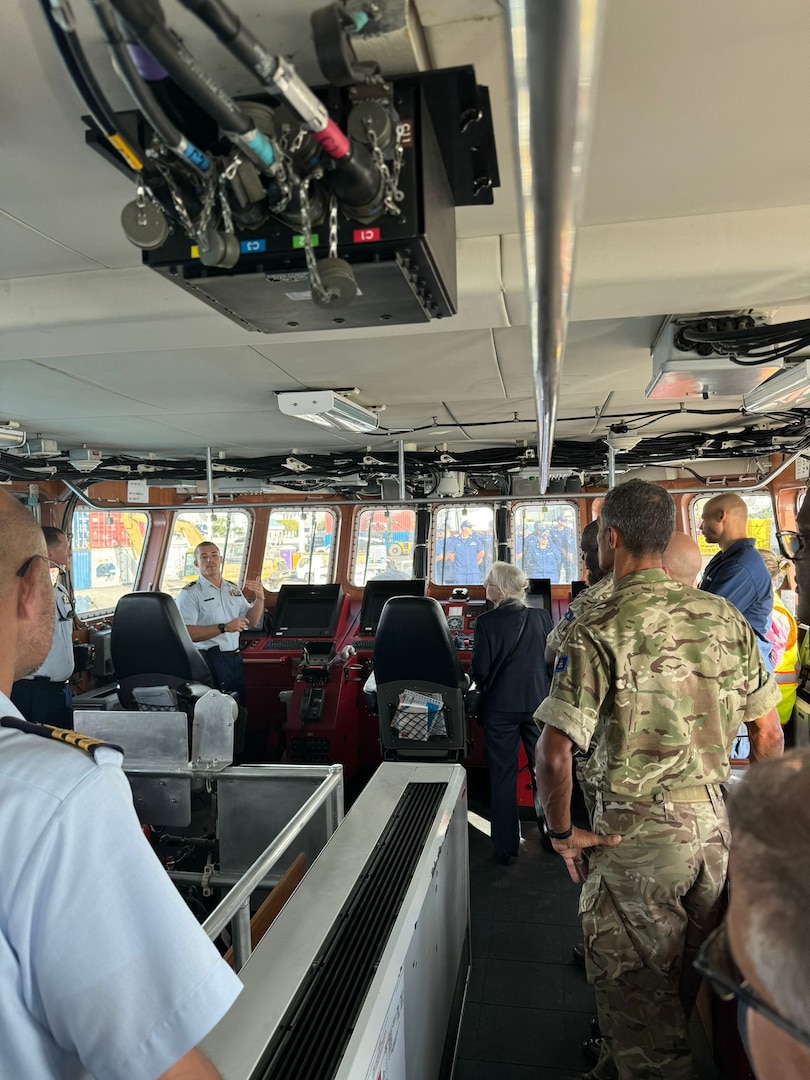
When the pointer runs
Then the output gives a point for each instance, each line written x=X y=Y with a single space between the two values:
x=365 y=236
x=247 y=247
x=569 y=615
x=561 y=665
x=195 y=251
x=298 y=241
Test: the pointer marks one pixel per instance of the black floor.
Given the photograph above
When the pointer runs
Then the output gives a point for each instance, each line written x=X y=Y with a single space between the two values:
x=528 y=1005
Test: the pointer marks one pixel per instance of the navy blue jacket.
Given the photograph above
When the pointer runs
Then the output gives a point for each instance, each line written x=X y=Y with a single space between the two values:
x=740 y=575
x=522 y=678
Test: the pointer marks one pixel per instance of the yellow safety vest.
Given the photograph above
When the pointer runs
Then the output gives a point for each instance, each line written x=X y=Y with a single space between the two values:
x=787 y=673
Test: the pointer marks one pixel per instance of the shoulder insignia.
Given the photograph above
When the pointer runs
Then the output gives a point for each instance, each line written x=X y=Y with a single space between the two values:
x=561 y=665
x=569 y=615
x=63 y=735
x=191 y=584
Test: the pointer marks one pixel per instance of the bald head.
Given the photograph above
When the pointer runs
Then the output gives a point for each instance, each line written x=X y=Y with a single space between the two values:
x=724 y=520
x=26 y=600
x=682 y=559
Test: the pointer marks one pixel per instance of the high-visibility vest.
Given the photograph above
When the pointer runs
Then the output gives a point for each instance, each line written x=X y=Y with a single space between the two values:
x=787 y=671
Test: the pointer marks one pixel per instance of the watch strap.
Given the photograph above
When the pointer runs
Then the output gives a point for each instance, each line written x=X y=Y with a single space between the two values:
x=559 y=835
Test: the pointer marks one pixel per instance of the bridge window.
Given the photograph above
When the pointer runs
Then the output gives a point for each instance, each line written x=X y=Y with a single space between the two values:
x=463 y=545
x=228 y=529
x=546 y=541
x=383 y=544
x=299 y=548
x=761 y=525
x=107 y=546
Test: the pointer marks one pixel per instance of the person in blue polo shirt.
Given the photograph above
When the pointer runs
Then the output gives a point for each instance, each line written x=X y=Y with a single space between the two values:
x=466 y=553
x=737 y=572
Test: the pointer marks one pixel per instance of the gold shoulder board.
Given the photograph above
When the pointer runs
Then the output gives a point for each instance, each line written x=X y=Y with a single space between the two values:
x=63 y=735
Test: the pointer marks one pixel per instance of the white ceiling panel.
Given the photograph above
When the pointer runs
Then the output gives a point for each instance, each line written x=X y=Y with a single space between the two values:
x=699 y=109
x=425 y=369
x=24 y=251
x=183 y=380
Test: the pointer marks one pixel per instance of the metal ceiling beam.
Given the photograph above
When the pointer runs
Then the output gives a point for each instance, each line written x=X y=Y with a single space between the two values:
x=553 y=54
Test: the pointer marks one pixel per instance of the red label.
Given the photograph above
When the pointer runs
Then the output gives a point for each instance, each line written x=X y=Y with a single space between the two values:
x=365 y=236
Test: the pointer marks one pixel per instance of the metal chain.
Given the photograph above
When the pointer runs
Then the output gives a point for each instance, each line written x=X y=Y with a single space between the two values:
x=309 y=253
x=393 y=194
x=140 y=202
x=207 y=205
x=333 y=227
x=180 y=209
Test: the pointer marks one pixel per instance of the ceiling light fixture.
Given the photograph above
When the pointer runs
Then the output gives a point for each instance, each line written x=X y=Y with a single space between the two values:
x=329 y=409
x=788 y=389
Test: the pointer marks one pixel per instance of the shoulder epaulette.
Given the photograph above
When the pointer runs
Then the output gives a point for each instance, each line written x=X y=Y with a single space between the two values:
x=196 y=581
x=63 y=735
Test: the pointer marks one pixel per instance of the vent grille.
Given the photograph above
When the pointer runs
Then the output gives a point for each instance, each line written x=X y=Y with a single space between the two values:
x=312 y=1037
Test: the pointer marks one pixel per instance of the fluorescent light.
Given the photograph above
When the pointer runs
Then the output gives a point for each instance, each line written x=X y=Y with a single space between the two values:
x=791 y=387
x=329 y=409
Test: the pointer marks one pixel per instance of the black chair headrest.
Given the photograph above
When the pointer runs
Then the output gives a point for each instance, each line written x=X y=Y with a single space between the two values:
x=413 y=642
x=148 y=635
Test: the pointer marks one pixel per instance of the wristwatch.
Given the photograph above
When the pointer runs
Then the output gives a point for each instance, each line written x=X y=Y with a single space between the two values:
x=559 y=835
x=221 y=627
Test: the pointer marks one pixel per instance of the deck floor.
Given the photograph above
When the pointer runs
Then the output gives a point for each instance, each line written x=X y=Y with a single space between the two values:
x=529 y=1006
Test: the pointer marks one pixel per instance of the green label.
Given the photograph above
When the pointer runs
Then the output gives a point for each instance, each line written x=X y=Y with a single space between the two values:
x=300 y=241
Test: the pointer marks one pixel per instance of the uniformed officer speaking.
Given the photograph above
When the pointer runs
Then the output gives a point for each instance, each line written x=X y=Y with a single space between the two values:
x=654 y=682
x=44 y=697
x=215 y=611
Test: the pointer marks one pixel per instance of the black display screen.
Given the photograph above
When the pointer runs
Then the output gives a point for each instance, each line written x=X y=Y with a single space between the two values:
x=307 y=611
x=539 y=594
x=577 y=587
x=375 y=595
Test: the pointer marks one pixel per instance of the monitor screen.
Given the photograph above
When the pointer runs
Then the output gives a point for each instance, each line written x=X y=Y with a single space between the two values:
x=307 y=611
x=577 y=587
x=539 y=594
x=377 y=592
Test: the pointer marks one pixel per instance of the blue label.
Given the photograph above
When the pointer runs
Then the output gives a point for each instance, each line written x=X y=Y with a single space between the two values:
x=561 y=665
x=569 y=615
x=247 y=247
x=198 y=157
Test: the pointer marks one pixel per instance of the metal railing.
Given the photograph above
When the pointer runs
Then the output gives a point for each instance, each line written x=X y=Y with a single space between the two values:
x=235 y=907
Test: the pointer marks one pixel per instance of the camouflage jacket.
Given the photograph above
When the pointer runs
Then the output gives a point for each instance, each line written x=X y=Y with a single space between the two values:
x=656 y=681
x=578 y=607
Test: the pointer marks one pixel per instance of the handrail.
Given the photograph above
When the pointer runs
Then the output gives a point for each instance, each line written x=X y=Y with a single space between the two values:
x=553 y=51
x=240 y=894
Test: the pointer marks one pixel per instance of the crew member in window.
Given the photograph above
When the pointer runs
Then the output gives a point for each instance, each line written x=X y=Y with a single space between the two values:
x=541 y=558
x=215 y=611
x=44 y=697
x=466 y=553
x=562 y=537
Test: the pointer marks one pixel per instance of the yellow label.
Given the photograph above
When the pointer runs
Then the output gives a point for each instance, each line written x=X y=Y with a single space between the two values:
x=195 y=251
x=126 y=152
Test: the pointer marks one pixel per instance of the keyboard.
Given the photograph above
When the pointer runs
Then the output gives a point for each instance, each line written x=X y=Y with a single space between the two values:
x=284 y=643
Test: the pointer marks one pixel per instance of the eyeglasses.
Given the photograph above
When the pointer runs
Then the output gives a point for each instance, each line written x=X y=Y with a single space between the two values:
x=716 y=964
x=55 y=568
x=790 y=543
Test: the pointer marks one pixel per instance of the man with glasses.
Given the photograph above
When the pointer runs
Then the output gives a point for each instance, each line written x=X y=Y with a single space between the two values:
x=654 y=682
x=44 y=696
x=760 y=956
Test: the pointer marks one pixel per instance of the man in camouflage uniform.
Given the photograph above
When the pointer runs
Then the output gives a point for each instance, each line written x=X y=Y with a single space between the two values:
x=655 y=681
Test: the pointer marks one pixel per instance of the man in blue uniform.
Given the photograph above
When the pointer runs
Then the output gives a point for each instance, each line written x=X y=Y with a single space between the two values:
x=466 y=552
x=104 y=971
x=44 y=696
x=562 y=537
x=541 y=558
x=215 y=611
x=737 y=571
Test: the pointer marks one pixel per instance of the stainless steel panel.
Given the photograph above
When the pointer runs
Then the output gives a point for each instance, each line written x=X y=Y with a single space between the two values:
x=212 y=730
x=148 y=739
x=162 y=801
x=253 y=811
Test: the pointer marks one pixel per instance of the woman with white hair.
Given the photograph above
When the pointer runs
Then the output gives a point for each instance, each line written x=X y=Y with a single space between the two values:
x=508 y=666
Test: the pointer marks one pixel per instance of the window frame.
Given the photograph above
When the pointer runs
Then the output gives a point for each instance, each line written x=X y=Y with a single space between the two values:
x=100 y=613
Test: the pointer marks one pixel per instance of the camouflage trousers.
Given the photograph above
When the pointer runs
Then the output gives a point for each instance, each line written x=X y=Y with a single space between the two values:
x=647 y=906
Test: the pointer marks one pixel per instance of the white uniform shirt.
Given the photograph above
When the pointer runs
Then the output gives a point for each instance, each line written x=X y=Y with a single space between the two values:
x=202 y=604
x=104 y=971
x=58 y=664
